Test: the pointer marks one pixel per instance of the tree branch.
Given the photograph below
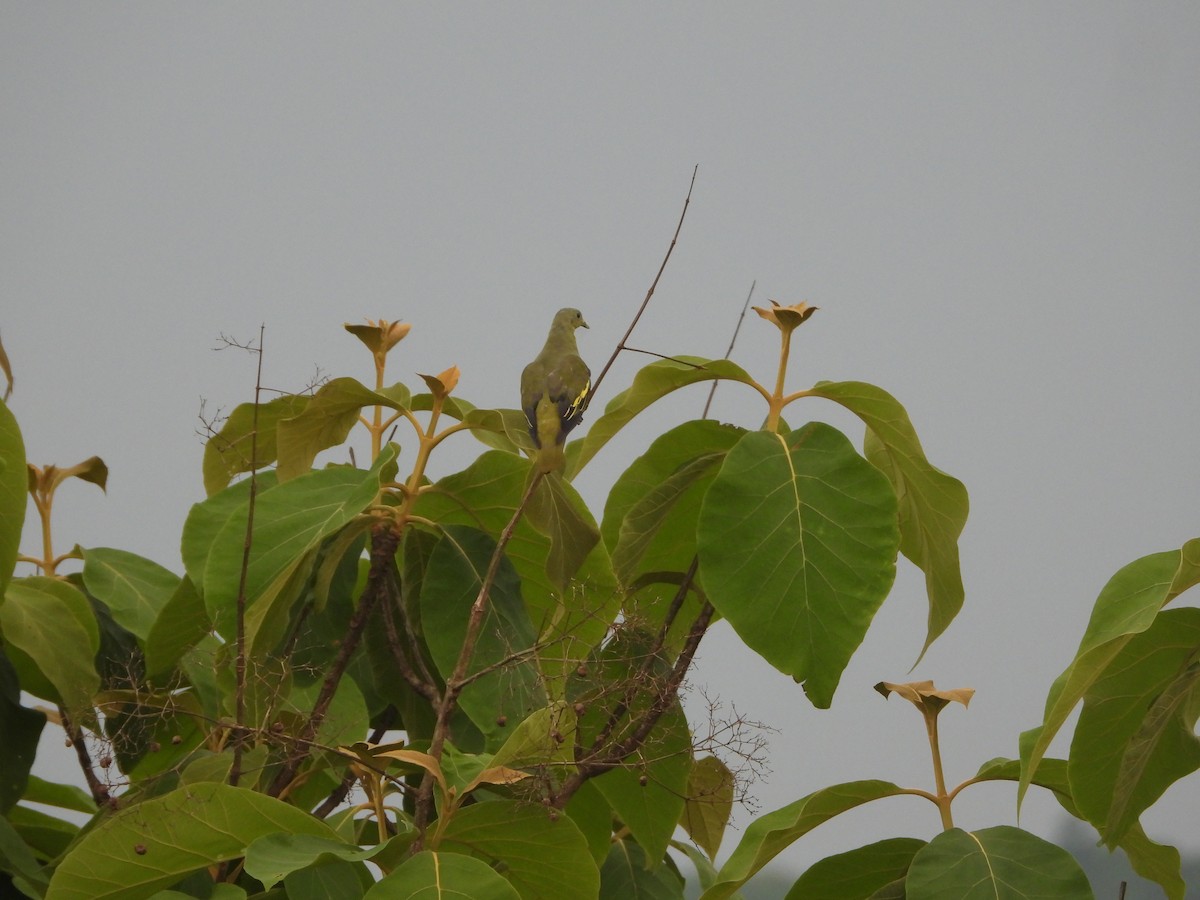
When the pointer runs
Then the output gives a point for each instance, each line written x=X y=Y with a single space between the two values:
x=607 y=757
x=406 y=652
x=458 y=678
x=99 y=791
x=383 y=550
x=649 y=293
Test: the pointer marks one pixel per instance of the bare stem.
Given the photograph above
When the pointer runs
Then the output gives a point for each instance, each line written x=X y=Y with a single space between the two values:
x=777 y=398
x=458 y=678
x=729 y=350
x=939 y=778
x=239 y=714
x=650 y=292
x=406 y=652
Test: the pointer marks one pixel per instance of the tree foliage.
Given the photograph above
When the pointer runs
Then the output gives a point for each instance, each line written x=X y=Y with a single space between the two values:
x=366 y=683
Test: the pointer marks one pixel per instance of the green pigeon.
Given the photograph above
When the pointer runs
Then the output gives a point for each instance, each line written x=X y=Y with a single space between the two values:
x=555 y=390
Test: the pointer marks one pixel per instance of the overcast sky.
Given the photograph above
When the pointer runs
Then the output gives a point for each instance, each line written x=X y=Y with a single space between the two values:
x=995 y=206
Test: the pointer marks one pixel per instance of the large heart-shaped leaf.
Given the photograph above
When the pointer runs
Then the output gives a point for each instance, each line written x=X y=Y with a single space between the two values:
x=798 y=541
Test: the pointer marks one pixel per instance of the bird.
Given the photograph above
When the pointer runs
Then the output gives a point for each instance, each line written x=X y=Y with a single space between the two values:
x=555 y=390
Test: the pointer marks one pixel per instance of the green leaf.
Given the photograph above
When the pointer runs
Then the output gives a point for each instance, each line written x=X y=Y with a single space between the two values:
x=1127 y=605
x=1136 y=735
x=206 y=518
x=273 y=857
x=48 y=835
x=933 y=505
x=798 y=542
x=181 y=624
x=14 y=486
x=51 y=637
x=999 y=863
x=533 y=743
x=443 y=876
x=501 y=429
x=559 y=513
x=770 y=834
x=134 y=589
x=541 y=852
x=154 y=844
x=64 y=796
x=452 y=582
x=857 y=874
x=17 y=857
x=227 y=453
x=626 y=875
x=1155 y=862
x=590 y=812
x=651 y=513
x=326 y=421
x=652 y=383
x=709 y=802
x=219 y=892
x=290 y=522
x=21 y=727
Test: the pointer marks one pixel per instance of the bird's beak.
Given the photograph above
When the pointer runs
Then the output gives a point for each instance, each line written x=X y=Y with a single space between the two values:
x=584 y=323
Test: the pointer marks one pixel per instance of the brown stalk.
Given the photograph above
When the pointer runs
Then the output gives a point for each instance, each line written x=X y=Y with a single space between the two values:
x=407 y=651
x=98 y=790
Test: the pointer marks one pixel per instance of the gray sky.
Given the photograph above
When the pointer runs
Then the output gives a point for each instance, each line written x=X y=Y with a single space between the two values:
x=996 y=206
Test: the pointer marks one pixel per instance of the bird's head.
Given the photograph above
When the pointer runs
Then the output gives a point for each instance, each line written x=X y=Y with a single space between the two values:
x=569 y=319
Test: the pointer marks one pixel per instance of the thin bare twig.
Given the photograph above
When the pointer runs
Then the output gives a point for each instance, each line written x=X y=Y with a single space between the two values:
x=239 y=715
x=649 y=293
x=458 y=678
x=729 y=350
